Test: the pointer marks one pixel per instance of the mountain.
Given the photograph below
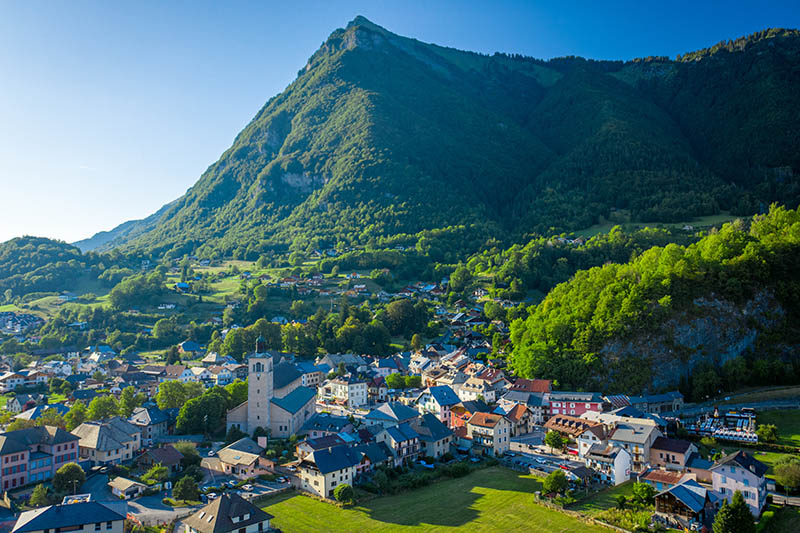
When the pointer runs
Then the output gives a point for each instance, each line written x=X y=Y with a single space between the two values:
x=382 y=135
x=106 y=240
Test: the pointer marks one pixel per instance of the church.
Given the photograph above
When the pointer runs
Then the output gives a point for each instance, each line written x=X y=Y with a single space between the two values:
x=276 y=399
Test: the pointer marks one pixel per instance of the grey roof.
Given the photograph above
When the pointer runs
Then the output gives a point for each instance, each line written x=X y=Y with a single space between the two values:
x=36 y=412
x=401 y=433
x=284 y=373
x=430 y=429
x=73 y=514
x=295 y=400
x=444 y=395
x=217 y=516
x=376 y=452
x=602 y=453
x=22 y=439
x=392 y=411
x=631 y=432
x=530 y=399
x=695 y=461
x=671 y=445
x=243 y=451
x=326 y=422
x=147 y=416
x=743 y=460
x=106 y=435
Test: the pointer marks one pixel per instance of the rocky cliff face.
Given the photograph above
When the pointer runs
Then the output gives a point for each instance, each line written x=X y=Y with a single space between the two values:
x=714 y=330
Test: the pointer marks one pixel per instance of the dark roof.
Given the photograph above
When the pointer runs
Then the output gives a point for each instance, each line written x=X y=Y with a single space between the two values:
x=166 y=455
x=475 y=406
x=402 y=433
x=22 y=439
x=444 y=395
x=327 y=441
x=743 y=460
x=333 y=459
x=430 y=429
x=73 y=514
x=283 y=374
x=326 y=422
x=671 y=445
x=376 y=452
x=392 y=411
x=690 y=493
x=295 y=400
x=146 y=416
x=217 y=516
x=695 y=461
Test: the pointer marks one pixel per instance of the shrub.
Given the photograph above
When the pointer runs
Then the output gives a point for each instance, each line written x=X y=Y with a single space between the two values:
x=456 y=470
x=344 y=493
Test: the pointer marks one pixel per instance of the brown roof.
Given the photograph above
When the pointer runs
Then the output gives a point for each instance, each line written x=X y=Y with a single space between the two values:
x=166 y=456
x=488 y=420
x=531 y=385
x=571 y=425
x=671 y=445
x=174 y=370
x=517 y=412
x=663 y=476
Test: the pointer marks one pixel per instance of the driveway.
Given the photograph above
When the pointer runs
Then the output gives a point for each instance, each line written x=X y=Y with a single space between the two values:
x=97 y=486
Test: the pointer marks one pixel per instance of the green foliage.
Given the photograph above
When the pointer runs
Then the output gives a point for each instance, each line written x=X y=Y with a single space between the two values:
x=734 y=517
x=174 y=394
x=644 y=493
x=39 y=496
x=204 y=414
x=76 y=415
x=186 y=489
x=554 y=440
x=555 y=482
x=129 y=400
x=787 y=472
x=69 y=478
x=156 y=473
x=767 y=432
x=563 y=336
x=102 y=407
x=344 y=493
x=143 y=289
x=191 y=457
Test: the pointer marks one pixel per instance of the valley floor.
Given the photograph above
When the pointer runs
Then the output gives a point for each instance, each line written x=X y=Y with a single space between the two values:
x=491 y=499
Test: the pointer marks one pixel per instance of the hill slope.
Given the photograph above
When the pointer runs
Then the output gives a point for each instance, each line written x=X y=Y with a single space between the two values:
x=382 y=135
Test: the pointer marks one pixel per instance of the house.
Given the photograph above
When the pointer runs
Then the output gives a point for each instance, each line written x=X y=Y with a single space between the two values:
x=662 y=479
x=539 y=386
x=11 y=381
x=520 y=418
x=112 y=441
x=595 y=434
x=215 y=359
x=687 y=506
x=385 y=367
x=36 y=413
x=228 y=513
x=373 y=454
x=348 y=390
x=190 y=348
x=201 y=375
x=126 y=489
x=571 y=427
x=322 y=471
x=490 y=433
x=637 y=438
x=34 y=454
x=671 y=454
x=611 y=463
x=438 y=401
x=23 y=402
x=574 y=403
x=463 y=411
x=377 y=390
x=739 y=471
x=311 y=445
x=180 y=373
x=220 y=376
x=81 y=516
x=436 y=438
x=534 y=401
x=699 y=467
x=390 y=414
x=402 y=440
x=289 y=413
x=312 y=375
x=151 y=421
x=243 y=460
x=475 y=388
x=166 y=456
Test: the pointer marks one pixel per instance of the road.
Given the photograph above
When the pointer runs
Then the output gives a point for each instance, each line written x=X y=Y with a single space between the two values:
x=150 y=511
x=698 y=409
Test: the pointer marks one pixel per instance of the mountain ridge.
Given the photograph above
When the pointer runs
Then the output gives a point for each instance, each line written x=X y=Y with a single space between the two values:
x=381 y=135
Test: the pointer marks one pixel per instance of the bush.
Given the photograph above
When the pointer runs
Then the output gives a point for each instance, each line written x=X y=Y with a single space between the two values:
x=344 y=493
x=446 y=458
x=456 y=470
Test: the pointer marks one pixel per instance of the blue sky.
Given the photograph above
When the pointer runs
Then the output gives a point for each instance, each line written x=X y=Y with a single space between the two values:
x=108 y=110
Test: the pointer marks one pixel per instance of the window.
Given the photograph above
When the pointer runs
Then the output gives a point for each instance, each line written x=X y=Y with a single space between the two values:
x=746 y=482
x=97 y=526
x=733 y=471
x=108 y=525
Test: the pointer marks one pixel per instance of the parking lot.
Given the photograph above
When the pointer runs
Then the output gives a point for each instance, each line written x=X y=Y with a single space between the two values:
x=544 y=463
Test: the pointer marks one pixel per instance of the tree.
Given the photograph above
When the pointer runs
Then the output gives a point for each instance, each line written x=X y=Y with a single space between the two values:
x=69 y=478
x=734 y=517
x=76 y=415
x=767 y=432
x=413 y=382
x=129 y=400
x=556 y=481
x=172 y=355
x=21 y=423
x=237 y=391
x=186 y=489
x=234 y=434
x=51 y=417
x=39 y=496
x=344 y=493
x=554 y=440
x=102 y=407
x=787 y=472
x=189 y=452
x=621 y=501
x=171 y=395
x=416 y=341
x=156 y=473
x=395 y=381
x=644 y=493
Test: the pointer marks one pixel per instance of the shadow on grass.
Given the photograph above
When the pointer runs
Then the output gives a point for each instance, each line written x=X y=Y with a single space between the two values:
x=448 y=503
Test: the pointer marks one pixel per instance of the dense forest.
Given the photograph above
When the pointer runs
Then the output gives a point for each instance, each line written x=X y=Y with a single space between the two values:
x=566 y=336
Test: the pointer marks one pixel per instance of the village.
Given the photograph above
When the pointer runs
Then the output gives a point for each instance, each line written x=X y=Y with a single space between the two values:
x=339 y=423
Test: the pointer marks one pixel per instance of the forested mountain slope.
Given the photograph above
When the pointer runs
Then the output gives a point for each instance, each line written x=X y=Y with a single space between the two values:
x=382 y=135
x=726 y=306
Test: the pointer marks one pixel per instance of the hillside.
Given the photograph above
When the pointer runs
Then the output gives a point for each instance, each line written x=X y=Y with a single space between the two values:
x=381 y=135
x=718 y=312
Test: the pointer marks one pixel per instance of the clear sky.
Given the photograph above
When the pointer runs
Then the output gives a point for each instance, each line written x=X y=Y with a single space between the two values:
x=109 y=110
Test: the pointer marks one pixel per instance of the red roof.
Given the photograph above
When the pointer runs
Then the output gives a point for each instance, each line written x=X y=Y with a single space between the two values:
x=531 y=385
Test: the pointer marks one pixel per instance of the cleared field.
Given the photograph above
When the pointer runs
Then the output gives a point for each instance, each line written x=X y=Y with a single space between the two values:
x=788 y=423
x=605 y=499
x=492 y=499
x=698 y=223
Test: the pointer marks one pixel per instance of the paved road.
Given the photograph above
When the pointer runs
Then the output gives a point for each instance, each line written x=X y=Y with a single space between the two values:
x=97 y=486
x=149 y=510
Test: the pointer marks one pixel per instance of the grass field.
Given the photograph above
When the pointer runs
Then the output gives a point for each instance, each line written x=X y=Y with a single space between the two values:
x=492 y=499
x=603 y=500
x=763 y=395
x=786 y=520
x=698 y=223
x=788 y=423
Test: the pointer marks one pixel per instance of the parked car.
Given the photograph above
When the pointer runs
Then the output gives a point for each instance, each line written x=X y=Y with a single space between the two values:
x=248 y=487
x=211 y=453
x=212 y=496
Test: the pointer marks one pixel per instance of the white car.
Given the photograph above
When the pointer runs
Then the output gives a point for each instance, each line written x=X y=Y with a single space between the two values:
x=248 y=487
x=211 y=453
x=212 y=496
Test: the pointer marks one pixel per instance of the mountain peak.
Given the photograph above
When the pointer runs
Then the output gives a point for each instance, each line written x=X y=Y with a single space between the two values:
x=362 y=21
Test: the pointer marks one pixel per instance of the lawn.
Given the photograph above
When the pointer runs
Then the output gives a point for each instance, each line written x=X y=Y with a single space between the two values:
x=786 y=520
x=603 y=500
x=697 y=223
x=788 y=423
x=492 y=499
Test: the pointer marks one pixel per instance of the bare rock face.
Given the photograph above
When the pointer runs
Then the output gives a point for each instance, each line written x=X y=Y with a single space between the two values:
x=714 y=330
